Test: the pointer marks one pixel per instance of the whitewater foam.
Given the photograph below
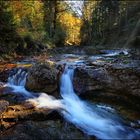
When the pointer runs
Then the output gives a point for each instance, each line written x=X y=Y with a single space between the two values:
x=90 y=119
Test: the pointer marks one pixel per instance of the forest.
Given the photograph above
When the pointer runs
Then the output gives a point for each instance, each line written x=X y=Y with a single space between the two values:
x=34 y=25
x=69 y=69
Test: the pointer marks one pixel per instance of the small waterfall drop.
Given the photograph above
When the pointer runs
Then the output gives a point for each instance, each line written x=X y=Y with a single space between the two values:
x=18 y=79
x=90 y=119
x=17 y=83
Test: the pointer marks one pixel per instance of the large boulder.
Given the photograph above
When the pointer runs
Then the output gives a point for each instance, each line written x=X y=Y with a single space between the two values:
x=116 y=81
x=43 y=78
x=89 y=79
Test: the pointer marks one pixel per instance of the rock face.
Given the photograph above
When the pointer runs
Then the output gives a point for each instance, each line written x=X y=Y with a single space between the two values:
x=12 y=114
x=89 y=79
x=119 y=80
x=43 y=78
x=44 y=130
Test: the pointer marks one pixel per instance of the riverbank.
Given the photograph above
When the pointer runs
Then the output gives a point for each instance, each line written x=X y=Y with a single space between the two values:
x=19 y=111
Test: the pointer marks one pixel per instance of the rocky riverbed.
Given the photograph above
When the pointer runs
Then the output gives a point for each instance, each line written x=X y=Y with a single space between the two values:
x=111 y=78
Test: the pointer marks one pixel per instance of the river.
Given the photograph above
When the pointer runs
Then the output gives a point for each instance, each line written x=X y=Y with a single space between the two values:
x=92 y=119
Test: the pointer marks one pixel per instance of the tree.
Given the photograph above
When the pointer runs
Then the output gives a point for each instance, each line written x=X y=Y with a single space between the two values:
x=7 y=28
x=101 y=17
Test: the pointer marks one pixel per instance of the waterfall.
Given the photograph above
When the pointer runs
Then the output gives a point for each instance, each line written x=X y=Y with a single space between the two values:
x=18 y=79
x=17 y=83
x=90 y=119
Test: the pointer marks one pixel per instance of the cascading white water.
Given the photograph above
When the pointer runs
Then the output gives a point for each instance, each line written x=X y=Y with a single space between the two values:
x=18 y=79
x=89 y=118
x=47 y=101
x=92 y=121
x=17 y=83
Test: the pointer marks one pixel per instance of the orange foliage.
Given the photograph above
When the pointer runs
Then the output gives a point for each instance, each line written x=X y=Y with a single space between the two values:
x=72 y=25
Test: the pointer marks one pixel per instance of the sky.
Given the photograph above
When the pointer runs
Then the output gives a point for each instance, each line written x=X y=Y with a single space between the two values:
x=76 y=6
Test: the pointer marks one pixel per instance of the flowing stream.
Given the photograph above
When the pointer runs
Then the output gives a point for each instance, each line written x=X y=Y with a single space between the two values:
x=91 y=119
x=17 y=83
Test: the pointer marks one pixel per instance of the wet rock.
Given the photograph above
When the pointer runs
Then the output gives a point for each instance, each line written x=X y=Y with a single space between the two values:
x=43 y=78
x=44 y=130
x=88 y=79
x=4 y=75
x=3 y=106
x=6 y=125
x=26 y=111
x=12 y=98
x=120 y=80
